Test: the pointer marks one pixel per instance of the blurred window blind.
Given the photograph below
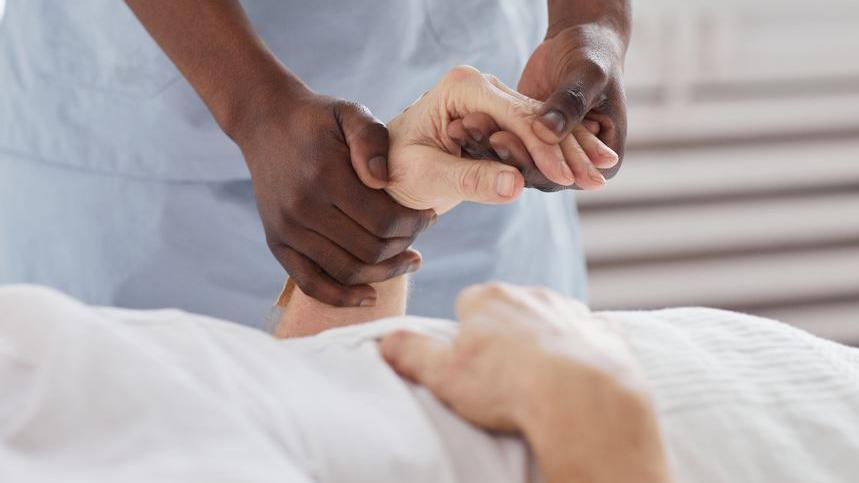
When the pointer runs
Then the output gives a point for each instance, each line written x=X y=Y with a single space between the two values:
x=740 y=188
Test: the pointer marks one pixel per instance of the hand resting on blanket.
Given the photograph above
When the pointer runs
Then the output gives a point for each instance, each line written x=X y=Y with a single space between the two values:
x=531 y=361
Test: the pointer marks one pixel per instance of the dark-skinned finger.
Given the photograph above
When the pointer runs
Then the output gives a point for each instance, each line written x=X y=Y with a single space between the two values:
x=470 y=148
x=348 y=270
x=480 y=126
x=378 y=213
x=353 y=238
x=512 y=151
x=456 y=131
x=569 y=104
x=318 y=284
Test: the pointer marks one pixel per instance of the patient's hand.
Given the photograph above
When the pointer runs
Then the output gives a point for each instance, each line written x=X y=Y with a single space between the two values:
x=425 y=164
x=530 y=360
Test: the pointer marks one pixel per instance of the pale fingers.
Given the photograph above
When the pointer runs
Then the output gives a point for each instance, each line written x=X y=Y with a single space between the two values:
x=587 y=175
x=602 y=156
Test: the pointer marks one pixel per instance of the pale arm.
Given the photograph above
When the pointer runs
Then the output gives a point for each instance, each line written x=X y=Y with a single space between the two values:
x=302 y=315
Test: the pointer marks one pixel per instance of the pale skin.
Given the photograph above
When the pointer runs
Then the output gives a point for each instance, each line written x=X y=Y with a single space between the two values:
x=525 y=360
x=529 y=361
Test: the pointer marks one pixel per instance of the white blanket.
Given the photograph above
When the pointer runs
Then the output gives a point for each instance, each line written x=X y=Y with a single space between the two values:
x=91 y=395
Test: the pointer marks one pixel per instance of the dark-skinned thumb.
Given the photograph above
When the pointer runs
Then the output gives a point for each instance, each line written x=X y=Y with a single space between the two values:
x=367 y=139
x=570 y=103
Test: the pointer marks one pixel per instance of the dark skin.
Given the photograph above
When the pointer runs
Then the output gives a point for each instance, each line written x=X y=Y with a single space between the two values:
x=318 y=164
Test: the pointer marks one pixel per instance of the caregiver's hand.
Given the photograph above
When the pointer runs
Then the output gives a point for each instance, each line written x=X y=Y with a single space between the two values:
x=530 y=360
x=578 y=70
x=317 y=164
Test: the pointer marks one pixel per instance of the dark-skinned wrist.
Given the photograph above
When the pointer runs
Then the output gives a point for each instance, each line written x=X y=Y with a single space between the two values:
x=244 y=113
x=614 y=15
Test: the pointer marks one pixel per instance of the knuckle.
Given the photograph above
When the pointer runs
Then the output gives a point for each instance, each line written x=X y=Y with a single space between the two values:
x=273 y=242
x=597 y=70
x=462 y=73
x=521 y=109
x=574 y=100
x=349 y=275
x=298 y=204
x=470 y=179
x=355 y=108
x=377 y=252
x=384 y=226
x=497 y=290
x=307 y=283
x=492 y=79
x=318 y=166
x=376 y=133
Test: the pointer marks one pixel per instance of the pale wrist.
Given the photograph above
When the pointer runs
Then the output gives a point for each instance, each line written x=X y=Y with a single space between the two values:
x=607 y=434
x=303 y=315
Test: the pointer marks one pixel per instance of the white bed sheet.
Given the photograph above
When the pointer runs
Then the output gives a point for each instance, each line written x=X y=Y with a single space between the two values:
x=93 y=394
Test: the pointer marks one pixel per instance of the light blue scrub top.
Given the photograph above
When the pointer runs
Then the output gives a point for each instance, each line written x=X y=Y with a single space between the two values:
x=117 y=186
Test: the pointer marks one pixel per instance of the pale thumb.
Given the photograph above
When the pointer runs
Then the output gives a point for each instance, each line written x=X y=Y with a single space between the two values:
x=484 y=181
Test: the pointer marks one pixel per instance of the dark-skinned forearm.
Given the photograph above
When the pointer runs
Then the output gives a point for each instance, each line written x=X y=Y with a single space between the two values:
x=217 y=50
x=615 y=14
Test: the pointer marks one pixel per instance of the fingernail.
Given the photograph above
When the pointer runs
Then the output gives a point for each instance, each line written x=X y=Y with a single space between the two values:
x=503 y=153
x=368 y=302
x=606 y=151
x=434 y=219
x=476 y=135
x=504 y=184
x=595 y=175
x=554 y=120
x=379 y=168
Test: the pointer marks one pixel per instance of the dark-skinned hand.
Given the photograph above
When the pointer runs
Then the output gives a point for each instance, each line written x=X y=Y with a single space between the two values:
x=577 y=71
x=318 y=165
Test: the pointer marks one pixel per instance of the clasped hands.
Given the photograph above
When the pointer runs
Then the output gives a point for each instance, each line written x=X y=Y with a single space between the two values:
x=342 y=196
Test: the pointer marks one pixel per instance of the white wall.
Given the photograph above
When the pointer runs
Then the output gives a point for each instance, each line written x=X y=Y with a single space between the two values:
x=741 y=183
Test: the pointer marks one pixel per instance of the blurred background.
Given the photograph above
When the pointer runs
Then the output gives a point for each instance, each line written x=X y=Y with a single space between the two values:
x=740 y=188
